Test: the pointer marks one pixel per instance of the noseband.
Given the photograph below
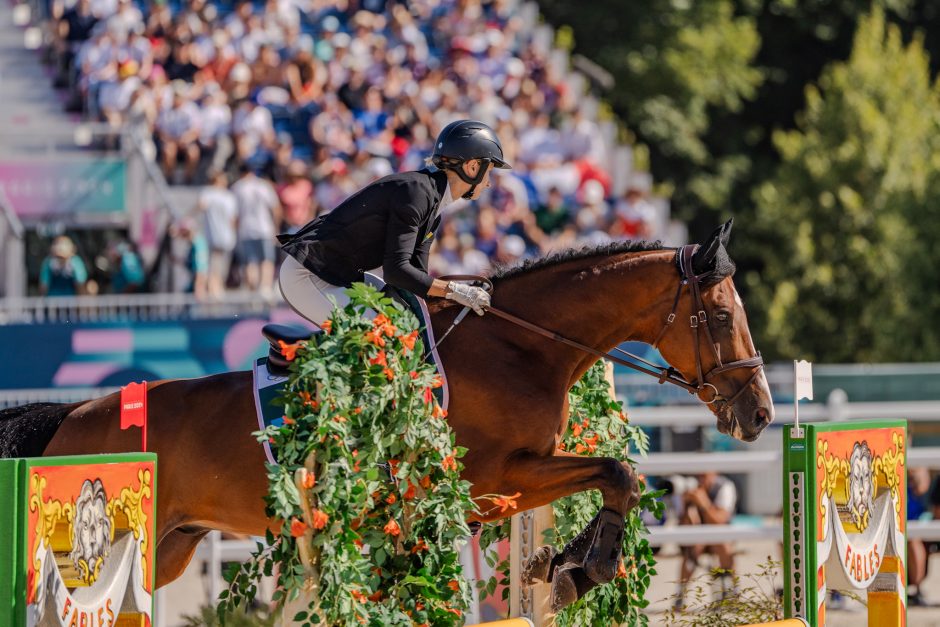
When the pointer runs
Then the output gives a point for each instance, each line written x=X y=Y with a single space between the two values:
x=698 y=320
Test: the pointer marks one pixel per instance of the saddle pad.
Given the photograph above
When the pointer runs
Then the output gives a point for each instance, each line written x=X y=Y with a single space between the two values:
x=267 y=387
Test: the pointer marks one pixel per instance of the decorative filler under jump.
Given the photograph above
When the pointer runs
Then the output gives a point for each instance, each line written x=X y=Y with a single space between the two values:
x=368 y=487
x=81 y=531
x=846 y=518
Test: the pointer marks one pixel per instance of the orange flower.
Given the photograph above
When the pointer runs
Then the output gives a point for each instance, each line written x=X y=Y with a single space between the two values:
x=288 y=421
x=375 y=336
x=357 y=411
x=580 y=448
x=576 y=429
x=428 y=396
x=379 y=360
x=505 y=502
x=409 y=493
x=437 y=382
x=339 y=418
x=327 y=326
x=289 y=350
x=297 y=527
x=419 y=546
x=309 y=481
x=408 y=341
x=426 y=482
x=359 y=596
x=392 y=528
x=380 y=320
x=454 y=585
x=623 y=417
x=320 y=519
x=591 y=442
x=454 y=611
x=308 y=400
x=621 y=570
x=376 y=596
x=449 y=463
x=413 y=374
x=390 y=499
x=393 y=465
x=388 y=372
x=438 y=412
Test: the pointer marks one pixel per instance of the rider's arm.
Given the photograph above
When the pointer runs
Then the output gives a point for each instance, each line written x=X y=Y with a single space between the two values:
x=404 y=223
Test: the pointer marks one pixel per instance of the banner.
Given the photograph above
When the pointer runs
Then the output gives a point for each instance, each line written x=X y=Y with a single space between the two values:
x=63 y=187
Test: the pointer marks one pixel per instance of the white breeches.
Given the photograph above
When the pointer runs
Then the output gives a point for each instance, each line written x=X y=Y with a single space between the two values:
x=308 y=294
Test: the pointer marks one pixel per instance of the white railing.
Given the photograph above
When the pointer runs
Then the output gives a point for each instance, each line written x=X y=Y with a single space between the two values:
x=770 y=530
x=137 y=307
x=14 y=398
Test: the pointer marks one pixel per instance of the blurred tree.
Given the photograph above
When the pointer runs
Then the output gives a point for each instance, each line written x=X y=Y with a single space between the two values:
x=847 y=275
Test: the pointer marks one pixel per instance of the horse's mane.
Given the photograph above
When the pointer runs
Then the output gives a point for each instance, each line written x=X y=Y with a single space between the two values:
x=574 y=254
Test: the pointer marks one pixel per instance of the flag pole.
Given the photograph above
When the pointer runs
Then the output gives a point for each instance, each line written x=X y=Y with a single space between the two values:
x=796 y=398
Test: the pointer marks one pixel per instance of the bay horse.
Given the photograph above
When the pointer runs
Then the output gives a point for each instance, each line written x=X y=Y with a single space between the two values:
x=508 y=390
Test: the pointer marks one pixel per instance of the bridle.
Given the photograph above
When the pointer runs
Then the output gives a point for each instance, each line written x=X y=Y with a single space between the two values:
x=698 y=320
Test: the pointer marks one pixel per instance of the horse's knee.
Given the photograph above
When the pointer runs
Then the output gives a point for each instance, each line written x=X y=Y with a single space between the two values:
x=623 y=484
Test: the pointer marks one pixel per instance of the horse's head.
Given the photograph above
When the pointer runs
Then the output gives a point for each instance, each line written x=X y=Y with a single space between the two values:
x=711 y=345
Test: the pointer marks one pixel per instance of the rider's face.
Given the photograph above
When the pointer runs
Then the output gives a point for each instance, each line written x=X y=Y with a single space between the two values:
x=471 y=168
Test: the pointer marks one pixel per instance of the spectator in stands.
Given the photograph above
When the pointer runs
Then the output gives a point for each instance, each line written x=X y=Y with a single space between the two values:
x=62 y=273
x=296 y=196
x=218 y=207
x=554 y=214
x=712 y=501
x=127 y=271
x=923 y=502
x=215 y=127
x=259 y=210
x=115 y=96
x=197 y=258
x=636 y=216
x=178 y=132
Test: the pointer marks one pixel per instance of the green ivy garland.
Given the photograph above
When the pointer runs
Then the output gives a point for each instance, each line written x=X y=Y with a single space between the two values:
x=371 y=550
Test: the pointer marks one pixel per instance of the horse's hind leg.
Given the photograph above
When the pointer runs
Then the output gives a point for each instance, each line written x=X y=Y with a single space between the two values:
x=175 y=551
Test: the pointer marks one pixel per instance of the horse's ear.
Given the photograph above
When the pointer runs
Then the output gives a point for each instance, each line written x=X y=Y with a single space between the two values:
x=726 y=232
x=704 y=259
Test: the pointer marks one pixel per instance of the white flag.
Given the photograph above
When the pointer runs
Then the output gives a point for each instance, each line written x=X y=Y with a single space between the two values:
x=804 y=379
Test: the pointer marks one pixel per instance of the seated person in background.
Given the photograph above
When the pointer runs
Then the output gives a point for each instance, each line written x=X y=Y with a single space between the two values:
x=921 y=503
x=62 y=273
x=711 y=502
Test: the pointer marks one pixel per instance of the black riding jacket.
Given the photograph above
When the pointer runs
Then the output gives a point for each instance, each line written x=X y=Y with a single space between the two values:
x=389 y=224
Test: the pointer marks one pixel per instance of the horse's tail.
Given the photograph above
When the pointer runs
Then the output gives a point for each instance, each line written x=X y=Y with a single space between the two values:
x=25 y=431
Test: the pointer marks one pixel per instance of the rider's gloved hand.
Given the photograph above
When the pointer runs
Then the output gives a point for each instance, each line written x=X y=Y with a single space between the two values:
x=469 y=296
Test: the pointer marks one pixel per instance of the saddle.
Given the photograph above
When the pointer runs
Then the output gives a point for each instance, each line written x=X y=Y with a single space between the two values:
x=289 y=334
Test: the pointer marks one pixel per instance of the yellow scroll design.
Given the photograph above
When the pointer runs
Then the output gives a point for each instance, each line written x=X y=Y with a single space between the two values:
x=130 y=502
x=832 y=469
x=887 y=464
x=50 y=512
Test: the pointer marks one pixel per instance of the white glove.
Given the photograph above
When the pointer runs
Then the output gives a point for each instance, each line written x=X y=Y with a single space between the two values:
x=469 y=296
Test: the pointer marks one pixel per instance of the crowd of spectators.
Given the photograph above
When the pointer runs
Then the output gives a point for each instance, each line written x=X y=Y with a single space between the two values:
x=320 y=97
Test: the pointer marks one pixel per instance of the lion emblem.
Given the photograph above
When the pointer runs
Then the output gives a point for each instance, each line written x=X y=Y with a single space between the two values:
x=861 y=485
x=91 y=540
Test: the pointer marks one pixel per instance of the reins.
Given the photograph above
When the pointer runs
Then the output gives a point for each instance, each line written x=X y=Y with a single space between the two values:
x=698 y=319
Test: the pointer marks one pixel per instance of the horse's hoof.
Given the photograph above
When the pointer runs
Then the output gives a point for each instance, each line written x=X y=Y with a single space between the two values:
x=538 y=568
x=564 y=588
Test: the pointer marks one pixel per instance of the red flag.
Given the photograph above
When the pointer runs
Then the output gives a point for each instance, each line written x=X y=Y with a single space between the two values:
x=134 y=408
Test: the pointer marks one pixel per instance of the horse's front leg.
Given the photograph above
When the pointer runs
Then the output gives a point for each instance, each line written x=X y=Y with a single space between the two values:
x=592 y=557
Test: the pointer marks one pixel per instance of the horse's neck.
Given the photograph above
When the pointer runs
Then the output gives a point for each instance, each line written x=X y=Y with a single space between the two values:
x=599 y=302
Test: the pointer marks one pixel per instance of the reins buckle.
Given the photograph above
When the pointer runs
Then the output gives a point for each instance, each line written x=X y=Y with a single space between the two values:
x=671 y=318
x=702 y=317
x=693 y=321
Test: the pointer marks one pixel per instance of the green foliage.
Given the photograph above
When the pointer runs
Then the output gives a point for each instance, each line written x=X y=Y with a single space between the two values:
x=852 y=209
x=598 y=427
x=208 y=617
x=754 y=600
x=384 y=552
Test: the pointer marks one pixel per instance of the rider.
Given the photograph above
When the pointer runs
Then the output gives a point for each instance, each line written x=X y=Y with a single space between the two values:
x=387 y=228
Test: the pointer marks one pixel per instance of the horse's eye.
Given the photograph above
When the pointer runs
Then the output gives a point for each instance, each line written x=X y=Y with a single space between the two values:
x=723 y=317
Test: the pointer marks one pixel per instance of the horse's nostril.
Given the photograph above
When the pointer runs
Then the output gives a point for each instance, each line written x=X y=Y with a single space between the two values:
x=762 y=418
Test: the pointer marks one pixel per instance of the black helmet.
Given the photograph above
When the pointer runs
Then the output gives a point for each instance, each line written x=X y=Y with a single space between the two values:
x=465 y=140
